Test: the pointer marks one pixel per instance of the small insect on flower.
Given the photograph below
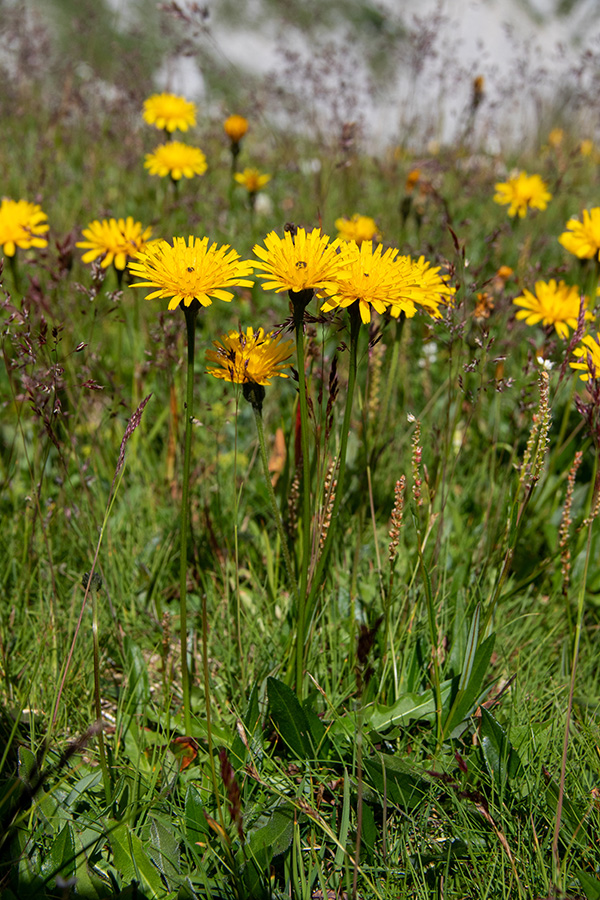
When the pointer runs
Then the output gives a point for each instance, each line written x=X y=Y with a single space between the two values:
x=253 y=356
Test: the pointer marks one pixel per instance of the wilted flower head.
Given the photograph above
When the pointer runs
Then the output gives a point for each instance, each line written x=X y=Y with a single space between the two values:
x=583 y=238
x=177 y=160
x=552 y=304
x=588 y=353
x=252 y=180
x=114 y=240
x=169 y=112
x=358 y=228
x=251 y=357
x=184 y=272
x=303 y=261
x=522 y=192
x=235 y=128
x=22 y=224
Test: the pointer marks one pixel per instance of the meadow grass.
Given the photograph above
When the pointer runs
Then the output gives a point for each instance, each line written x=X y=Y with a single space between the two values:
x=413 y=745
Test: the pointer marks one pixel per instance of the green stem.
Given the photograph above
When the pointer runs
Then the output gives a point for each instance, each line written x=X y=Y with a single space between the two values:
x=190 y=321
x=97 y=698
x=354 y=314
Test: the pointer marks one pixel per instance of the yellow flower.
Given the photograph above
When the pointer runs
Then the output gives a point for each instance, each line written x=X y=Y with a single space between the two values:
x=21 y=225
x=235 y=128
x=114 y=240
x=358 y=228
x=583 y=238
x=431 y=292
x=251 y=357
x=586 y=147
x=177 y=160
x=412 y=179
x=193 y=271
x=252 y=180
x=169 y=112
x=306 y=261
x=552 y=304
x=556 y=136
x=523 y=192
x=590 y=351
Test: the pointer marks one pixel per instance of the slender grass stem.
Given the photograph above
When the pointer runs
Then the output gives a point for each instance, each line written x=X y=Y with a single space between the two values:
x=190 y=320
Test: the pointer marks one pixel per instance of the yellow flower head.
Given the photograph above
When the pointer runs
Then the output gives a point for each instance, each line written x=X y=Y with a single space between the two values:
x=589 y=354
x=195 y=270
x=552 y=304
x=586 y=147
x=556 y=137
x=358 y=228
x=252 y=180
x=114 y=240
x=583 y=238
x=412 y=179
x=235 y=128
x=251 y=357
x=301 y=262
x=21 y=225
x=522 y=192
x=177 y=160
x=169 y=112
x=431 y=291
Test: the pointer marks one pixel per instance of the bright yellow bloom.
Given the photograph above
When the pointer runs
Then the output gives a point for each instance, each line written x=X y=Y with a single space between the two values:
x=251 y=357
x=306 y=261
x=193 y=271
x=177 y=160
x=583 y=238
x=589 y=351
x=358 y=228
x=556 y=136
x=252 y=180
x=552 y=304
x=169 y=112
x=522 y=192
x=431 y=292
x=21 y=225
x=235 y=128
x=586 y=147
x=114 y=240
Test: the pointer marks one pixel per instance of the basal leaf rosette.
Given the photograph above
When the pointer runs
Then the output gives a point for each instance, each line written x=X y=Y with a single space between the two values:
x=193 y=271
x=553 y=304
x=22 y=224
x=250 y=356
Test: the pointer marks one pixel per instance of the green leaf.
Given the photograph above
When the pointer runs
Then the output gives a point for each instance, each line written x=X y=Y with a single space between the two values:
x=132 y=862
x=408 y=708
x=196 y=826
x=501 y=759
x=289 y=719
x=138 y=684
x=272 y=833
x=61 y=859
x=164 y=850
x=467 y=698
x=251 y=721
x=393 y=777
x=590 y=885
x=345 y=822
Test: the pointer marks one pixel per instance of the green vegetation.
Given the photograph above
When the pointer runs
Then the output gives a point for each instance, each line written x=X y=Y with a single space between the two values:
x=418 y=749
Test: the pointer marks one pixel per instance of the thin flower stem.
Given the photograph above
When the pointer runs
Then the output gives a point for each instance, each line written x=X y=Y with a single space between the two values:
x=190 y=321
x=276 y=514
x=302 y=591
x=98 y=701
x=320 y=569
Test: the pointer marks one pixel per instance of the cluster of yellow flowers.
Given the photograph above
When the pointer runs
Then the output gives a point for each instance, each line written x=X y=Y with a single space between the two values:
x=170 y=113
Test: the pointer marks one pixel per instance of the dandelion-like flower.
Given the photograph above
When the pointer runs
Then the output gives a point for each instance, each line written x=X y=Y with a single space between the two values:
x=583 y=238
x=177 y=160
x=358 y=228
x=586 y=147
x=551 y=304
x=115 y=240
x=235 y=128
x=370 y=277
x=184 y=272
x=169 y=112
x=522 y=192
x=302 y=262
x=588 y=353
x=252 y=356
x=431 y=291
x=252 y=180
x=22 y=224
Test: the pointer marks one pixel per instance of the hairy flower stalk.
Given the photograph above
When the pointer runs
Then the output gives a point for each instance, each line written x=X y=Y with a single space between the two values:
x=565 y=525
x=394 y=535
